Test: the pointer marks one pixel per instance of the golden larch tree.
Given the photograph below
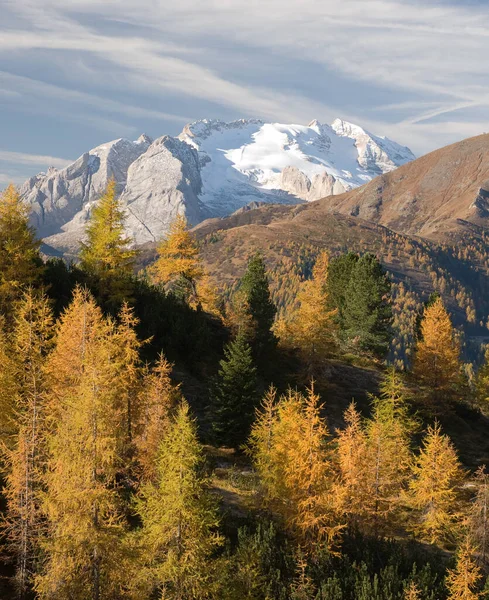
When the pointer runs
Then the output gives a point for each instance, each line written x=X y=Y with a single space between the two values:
x=87 y=426
x=290 y=452
x=434 y=488
x=352 y=487
x=179 y=518
x=311 y=329
x=24 y=459
x=478 y=516
x=437 y=359
x=20 y=262
x=412 y=592
x=463 y=581
x=157 y=400
x=178 y=266
x=106 y=254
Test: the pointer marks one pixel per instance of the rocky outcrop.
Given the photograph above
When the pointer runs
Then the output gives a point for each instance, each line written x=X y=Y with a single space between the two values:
x=298 y=183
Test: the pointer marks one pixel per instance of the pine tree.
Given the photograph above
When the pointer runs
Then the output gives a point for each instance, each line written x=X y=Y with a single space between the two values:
x=84 y=556
x=312 y=329
x=179 y=518
x=33 y=328
x=178 y=266
x=367 y=312
x=437 y=363
x=234 y=394
x=20 y=262
x=261 y=309
x=106 y=254
x=433 y=490
x=463 y=580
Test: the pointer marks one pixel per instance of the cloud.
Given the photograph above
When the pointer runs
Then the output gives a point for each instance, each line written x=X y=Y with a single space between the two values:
x=422 y=63
x=33 y=159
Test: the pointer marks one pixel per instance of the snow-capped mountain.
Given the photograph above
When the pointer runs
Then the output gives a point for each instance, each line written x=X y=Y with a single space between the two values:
x=211 y=169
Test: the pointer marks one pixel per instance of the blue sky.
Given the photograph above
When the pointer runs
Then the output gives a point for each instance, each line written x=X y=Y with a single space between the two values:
x=77 y=73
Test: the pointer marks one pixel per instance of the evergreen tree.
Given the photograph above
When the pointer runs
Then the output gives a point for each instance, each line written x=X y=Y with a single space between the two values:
x=340 y=271
x=33 y=328
x=178 y=266
x=234 y=394
x=84 y=554
x=437 y=363
x=179 y=518
x=433 y=490
x=463 y=580
x=20 y=262
x=367 y=312
x=259 y=305
x=106 y=254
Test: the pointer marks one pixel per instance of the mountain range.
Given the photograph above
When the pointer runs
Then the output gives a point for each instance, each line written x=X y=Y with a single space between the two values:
x=211 y=169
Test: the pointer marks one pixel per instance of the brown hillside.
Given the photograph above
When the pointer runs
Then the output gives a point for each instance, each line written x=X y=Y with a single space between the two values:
x=437 y=196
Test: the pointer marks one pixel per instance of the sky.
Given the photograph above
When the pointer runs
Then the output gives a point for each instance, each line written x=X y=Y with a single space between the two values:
x=77 y=73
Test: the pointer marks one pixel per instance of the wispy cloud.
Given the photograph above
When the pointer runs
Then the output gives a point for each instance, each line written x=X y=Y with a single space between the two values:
x=33 y=159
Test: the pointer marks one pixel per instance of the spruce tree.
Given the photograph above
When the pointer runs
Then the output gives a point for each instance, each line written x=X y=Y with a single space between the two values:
x=234 y=394
x=106 y=255
x=255 y=289
x=20 y=262
x=179 y=518
x=367 y=313
x=340 y=270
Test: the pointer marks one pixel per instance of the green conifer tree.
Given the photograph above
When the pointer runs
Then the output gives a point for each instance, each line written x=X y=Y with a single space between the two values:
x=339 y=274
x=234 y=394
x=106 y=255
x=256 y=292
x=367 y=312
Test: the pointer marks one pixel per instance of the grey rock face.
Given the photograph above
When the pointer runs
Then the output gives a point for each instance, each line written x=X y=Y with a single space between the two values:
x=298 y=183
x=163 y=182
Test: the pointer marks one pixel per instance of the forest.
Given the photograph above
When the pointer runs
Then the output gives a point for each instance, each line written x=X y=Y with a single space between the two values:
x=164 y=438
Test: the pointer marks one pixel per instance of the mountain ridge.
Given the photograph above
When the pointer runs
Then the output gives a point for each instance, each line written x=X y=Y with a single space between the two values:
x=210 y=170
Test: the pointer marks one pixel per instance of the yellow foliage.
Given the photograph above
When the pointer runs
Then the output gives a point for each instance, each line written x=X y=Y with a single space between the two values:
x=462 y=581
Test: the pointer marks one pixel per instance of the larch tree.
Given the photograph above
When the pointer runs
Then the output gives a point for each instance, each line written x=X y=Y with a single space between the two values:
x=31 y=339
x=312 y=329
x=255 y=290
x=412 y=592
x=478 y=516
x=367 y=311
x=84 y=554
x=437 y=359
x=179 y=518
x=106 y=254
x=20 y=262
x=157 y=400
x=9 y=387
x=434 y=488
x=178 y=267
x=299 y=472
x=352 y=489
x=234 y=394
x=463 y=581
